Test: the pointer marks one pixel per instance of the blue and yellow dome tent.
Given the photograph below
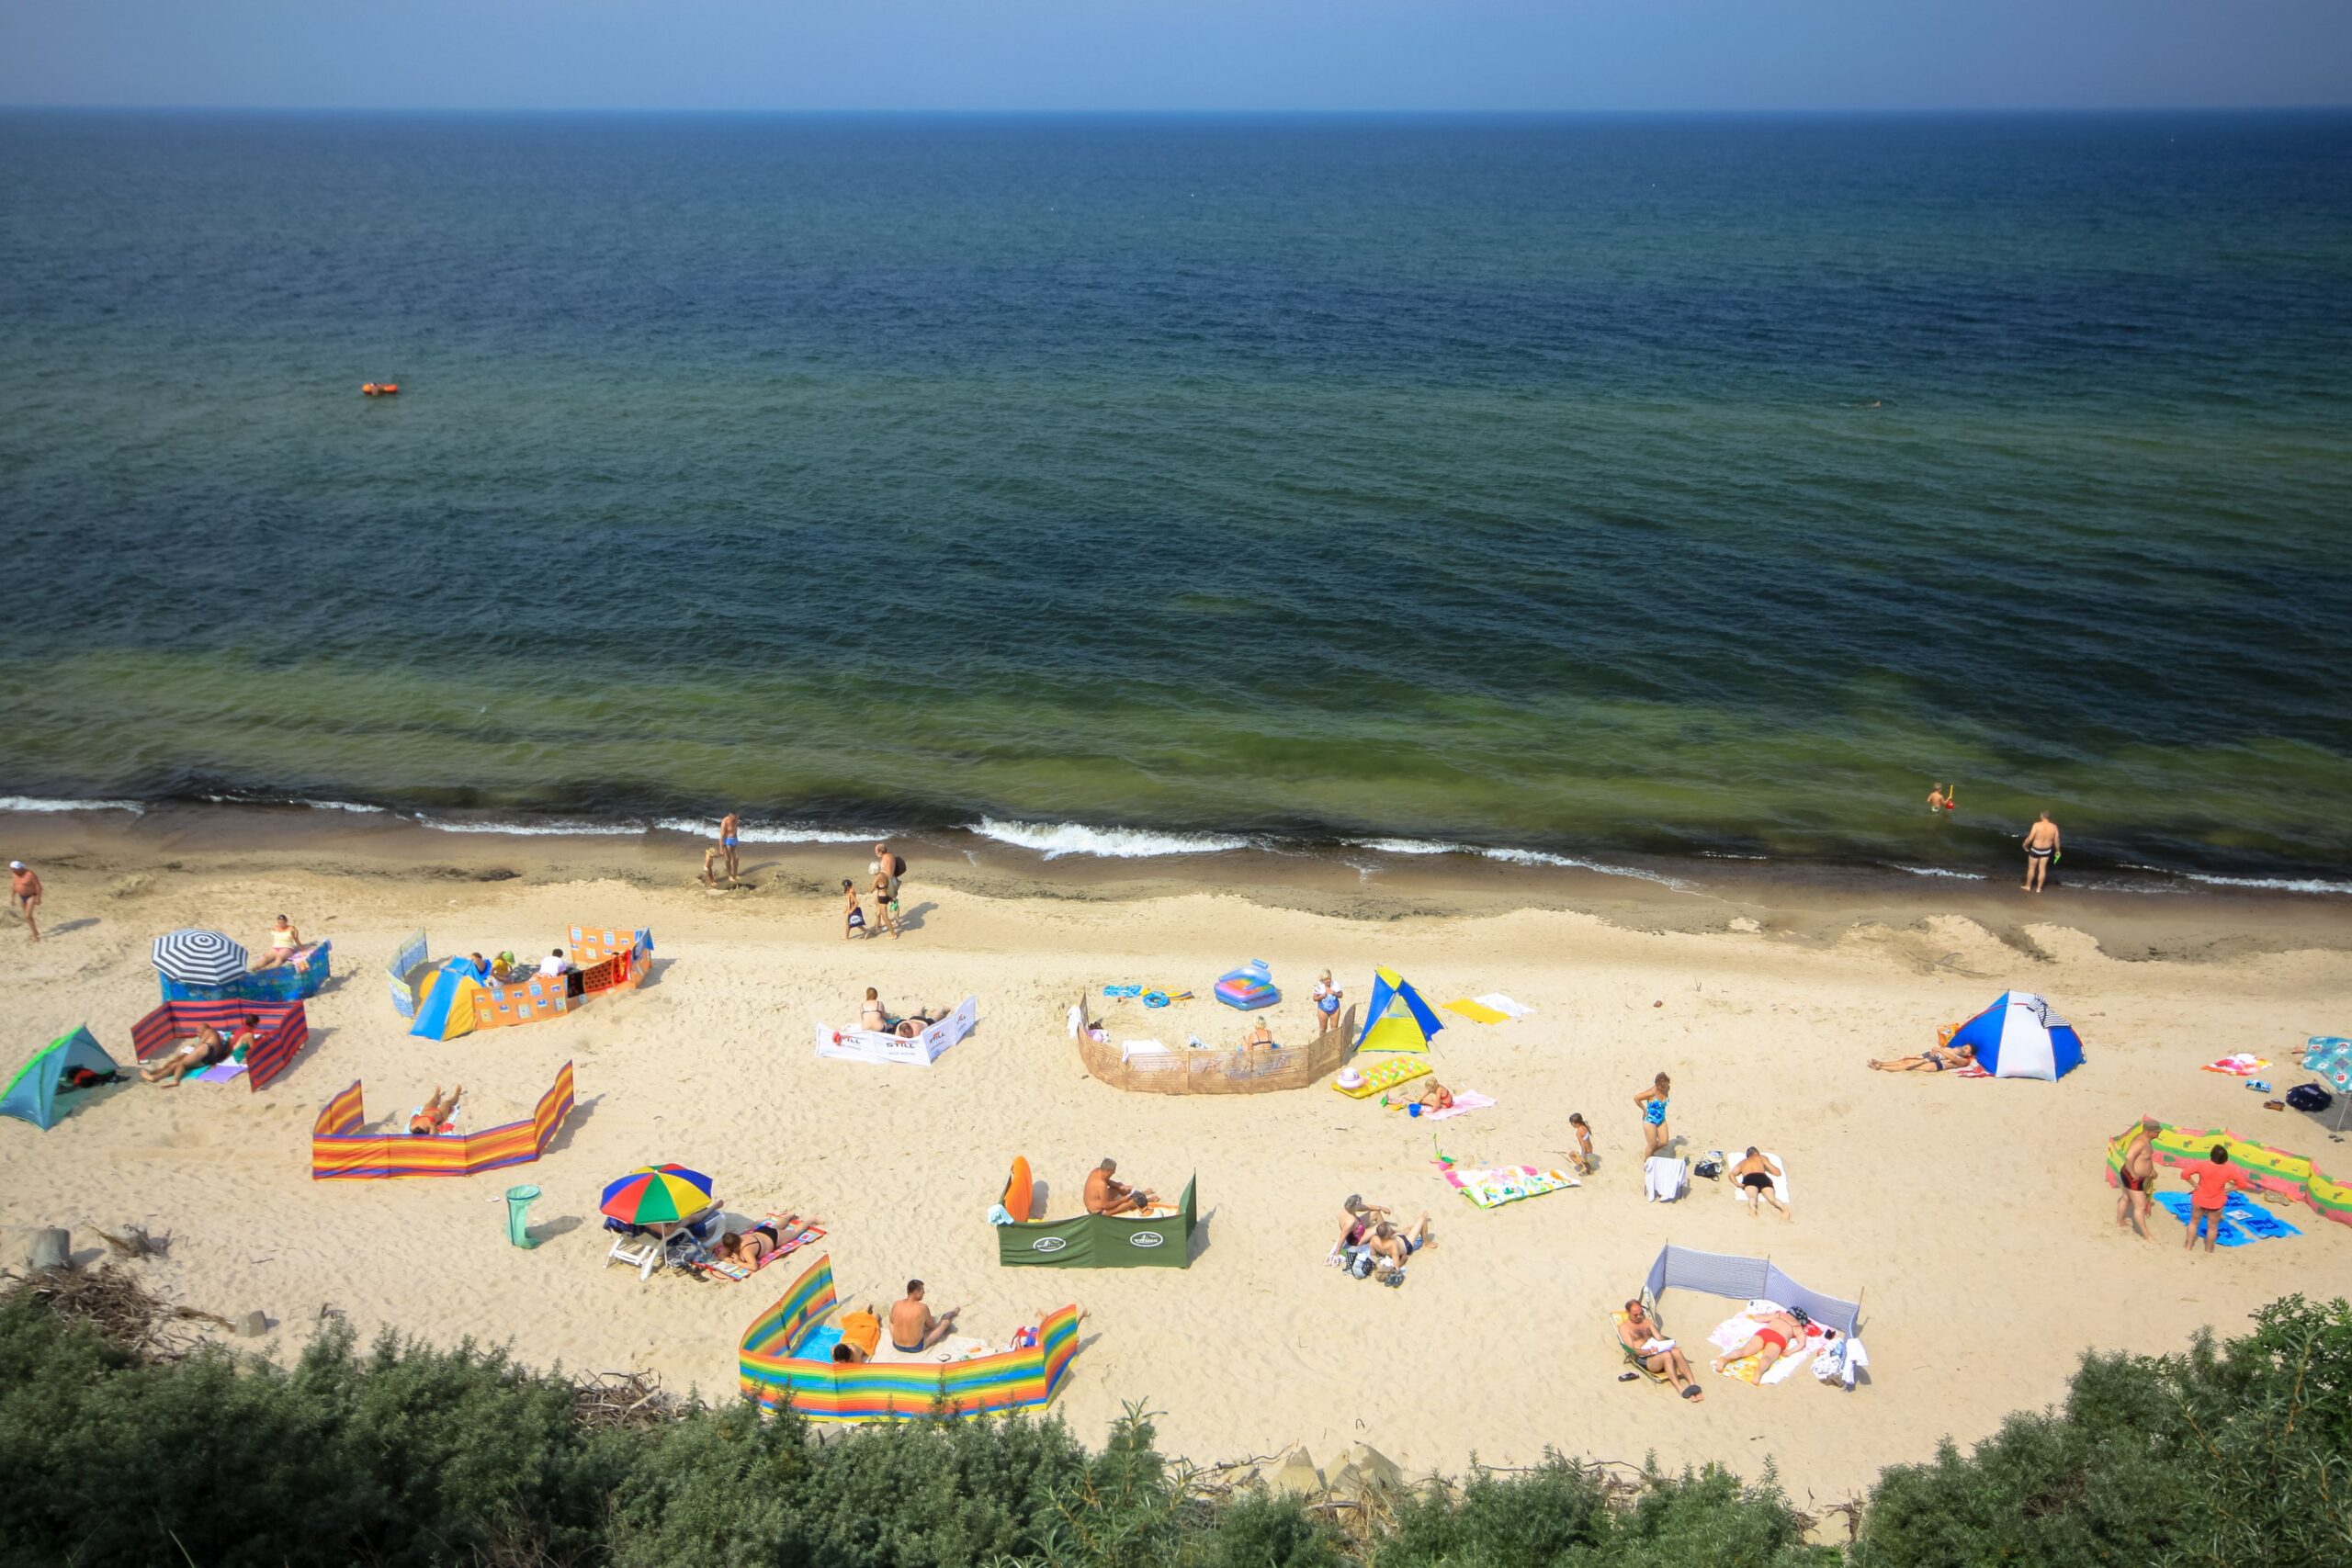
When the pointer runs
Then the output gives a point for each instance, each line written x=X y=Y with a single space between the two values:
x=1398 y=1019
x=447 y=1010
x=31 y=1096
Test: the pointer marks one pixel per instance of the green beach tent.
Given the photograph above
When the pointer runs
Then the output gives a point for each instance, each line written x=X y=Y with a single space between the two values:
x=32 y=1095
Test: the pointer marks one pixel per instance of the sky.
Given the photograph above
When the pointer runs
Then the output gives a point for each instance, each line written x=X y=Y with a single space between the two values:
x=1143 y=55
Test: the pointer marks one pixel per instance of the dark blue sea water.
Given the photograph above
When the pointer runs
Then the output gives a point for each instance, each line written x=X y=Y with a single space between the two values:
x=1562 y=485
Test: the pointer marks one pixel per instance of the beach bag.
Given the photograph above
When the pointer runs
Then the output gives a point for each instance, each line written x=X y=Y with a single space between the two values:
x=2310 y=1096
x=1712 y=1168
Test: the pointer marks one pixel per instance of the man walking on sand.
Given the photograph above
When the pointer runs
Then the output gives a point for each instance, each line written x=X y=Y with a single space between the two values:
x=24 y=894
x=2041 y=846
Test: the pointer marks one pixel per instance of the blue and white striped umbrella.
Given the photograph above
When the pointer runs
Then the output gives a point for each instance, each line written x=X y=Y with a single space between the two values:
x=199 y=958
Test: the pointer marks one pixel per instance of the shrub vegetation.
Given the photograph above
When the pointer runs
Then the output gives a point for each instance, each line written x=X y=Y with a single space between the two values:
x=2237 y=1453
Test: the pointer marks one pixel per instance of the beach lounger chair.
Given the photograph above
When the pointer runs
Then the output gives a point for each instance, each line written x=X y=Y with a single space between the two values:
x=647 y=1248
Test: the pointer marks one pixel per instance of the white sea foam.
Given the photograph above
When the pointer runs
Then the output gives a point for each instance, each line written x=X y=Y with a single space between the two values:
x=40 y=802
x=1537 y=857
x=774 y=832
x=1939 y=870
x=1054 y=839
x=338 y=805
x=2275 y=884
x=539 y=829
x=1410 y=847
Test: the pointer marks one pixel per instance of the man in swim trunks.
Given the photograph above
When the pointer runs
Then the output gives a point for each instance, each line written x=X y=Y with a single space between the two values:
x=1934 y=1059
x=2042 y=847
x=1105 y=1196
x=730 y=833
x=205 y=1049
x=1392 y=1247
x=1775 y=1336
x=2137 y=1179
x=1758 y=1175
x=912 y=1328
x=1640 y=1332
x=24 y=894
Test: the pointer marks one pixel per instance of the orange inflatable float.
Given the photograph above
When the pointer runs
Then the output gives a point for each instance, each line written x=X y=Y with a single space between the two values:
x=378 y=389
x=1019 y=1193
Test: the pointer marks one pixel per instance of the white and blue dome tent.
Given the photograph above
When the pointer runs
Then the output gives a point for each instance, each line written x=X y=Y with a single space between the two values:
x=2019 y=1037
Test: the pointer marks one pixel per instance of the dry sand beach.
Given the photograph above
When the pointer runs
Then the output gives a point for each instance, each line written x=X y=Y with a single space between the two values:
x=1972 y=1213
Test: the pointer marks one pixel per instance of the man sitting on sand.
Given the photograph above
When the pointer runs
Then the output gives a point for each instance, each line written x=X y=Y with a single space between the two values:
x=861 y=1334
x=1390 y=1246
x=1757 y=1176
x=912 y=1328
x=205 y=1048
x=1105 y=1196
x=1640 y=1334
x=2137 y=1179
x=435 y=1115
x=1934 y=1059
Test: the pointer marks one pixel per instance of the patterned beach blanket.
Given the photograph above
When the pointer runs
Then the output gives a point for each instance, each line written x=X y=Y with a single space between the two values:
x=1491 y=1187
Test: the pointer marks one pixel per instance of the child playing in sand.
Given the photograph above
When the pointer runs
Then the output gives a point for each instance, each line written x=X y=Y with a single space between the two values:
x=1581 y=1157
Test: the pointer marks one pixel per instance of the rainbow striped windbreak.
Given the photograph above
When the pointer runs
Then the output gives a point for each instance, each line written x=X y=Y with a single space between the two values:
x=285 y=1028
x=340 y=1152
x=830 y=1391
x=2273 y=1170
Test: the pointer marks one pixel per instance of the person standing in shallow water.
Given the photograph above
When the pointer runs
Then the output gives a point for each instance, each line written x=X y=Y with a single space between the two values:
x=2042 y=847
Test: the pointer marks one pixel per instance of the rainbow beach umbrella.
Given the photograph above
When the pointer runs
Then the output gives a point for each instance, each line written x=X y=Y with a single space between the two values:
x=656 y=1194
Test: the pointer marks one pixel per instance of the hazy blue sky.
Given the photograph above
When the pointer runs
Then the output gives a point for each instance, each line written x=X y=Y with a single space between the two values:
x=1197 y=54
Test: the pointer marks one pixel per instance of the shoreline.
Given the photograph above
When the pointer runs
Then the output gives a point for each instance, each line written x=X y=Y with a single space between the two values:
x=2153 y=916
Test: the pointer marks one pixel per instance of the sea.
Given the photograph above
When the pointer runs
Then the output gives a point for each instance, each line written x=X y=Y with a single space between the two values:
x=1557 y=489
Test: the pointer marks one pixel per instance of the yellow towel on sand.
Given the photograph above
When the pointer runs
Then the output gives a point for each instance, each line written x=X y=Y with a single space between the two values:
x=1477 y=1013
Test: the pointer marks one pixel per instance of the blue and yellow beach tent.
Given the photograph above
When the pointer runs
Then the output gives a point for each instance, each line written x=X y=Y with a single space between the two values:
x=447 y=1010
x=32 y=1095
x=1398 y=1019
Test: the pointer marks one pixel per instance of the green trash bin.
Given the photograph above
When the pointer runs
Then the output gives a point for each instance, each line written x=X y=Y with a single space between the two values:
x=518 y=1215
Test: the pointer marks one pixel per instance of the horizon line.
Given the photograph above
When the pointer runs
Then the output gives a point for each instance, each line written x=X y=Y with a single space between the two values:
x=2107 y=110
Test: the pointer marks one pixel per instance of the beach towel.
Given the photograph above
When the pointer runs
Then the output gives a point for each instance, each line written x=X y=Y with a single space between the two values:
x=819 y=1345
x=955 y=1347
x=1971 y=1071
x=788 y=1243
x=2243 y=1064
x=1120 y=993
x=2242 y=1223
x=221 y=1072
x=1490 y=1188
x=1131 y=1048
x=1477 y=1013
x=1469 y=1100
x=1504 y=1005
x=1665 y=1178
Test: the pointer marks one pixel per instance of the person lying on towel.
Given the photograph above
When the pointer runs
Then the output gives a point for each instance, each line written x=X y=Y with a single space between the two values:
x=748 y=1248
x=435 y=1115
x=1391 y=1246
x=861 y=1332
x=1934 y=1059
x=205 y=1049
x=1106 y=1196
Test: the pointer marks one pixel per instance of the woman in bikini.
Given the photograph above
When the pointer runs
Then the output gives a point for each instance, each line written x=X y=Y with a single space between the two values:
x=750 y=1247
x=1772 y=1339
x=1934 y=1059
x=285 y=941
x=853 y=917
x=886 y=905
x=435 y=1115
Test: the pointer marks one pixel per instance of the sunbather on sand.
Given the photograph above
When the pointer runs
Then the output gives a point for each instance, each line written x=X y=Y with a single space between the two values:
x=1361 y=1217
x=285 y=941
x=1757 y=1176
x=861 y=1333
x=1774 y=1338
x=874 y=1018
x=435 y=1114
x=1435 y=1097
x=748 y=1248
x=1392 y=1247
x=1105 y=1196
x=1640 y=1334
x=915 y=1022
x=912 y=1328
x=1259 y=1039
x=205 y=1049
x=1934 y=1059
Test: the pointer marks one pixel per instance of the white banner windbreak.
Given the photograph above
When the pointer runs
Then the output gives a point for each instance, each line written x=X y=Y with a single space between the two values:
x=921 y=1051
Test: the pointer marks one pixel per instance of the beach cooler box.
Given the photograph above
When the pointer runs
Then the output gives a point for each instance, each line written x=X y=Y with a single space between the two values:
x=1247 y=988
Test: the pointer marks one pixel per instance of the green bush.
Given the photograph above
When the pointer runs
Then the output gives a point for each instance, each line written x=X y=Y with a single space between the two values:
x=2237 y=1453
